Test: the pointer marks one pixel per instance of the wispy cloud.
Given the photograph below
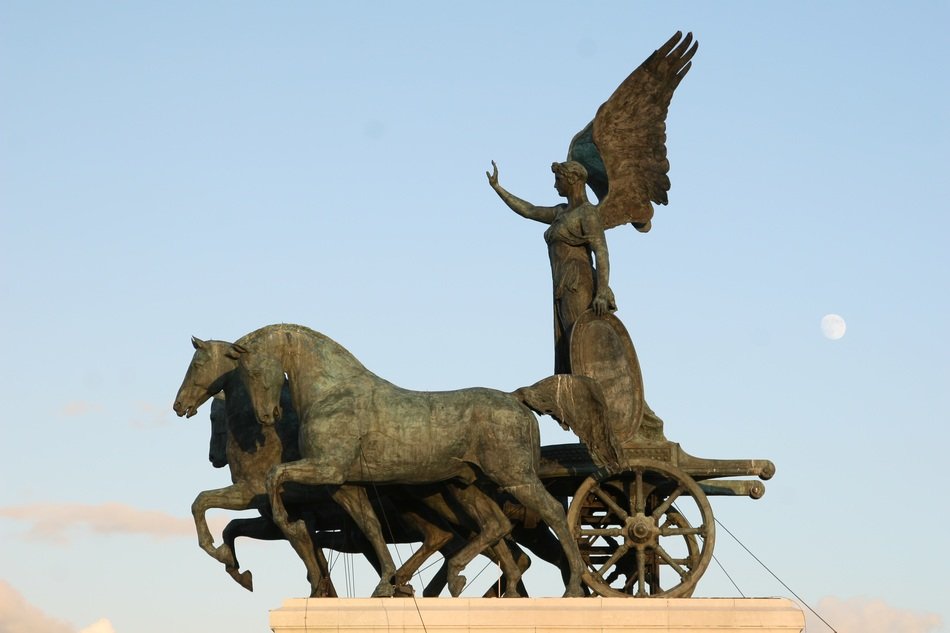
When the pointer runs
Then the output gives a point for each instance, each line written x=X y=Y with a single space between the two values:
x=57 y=522
x=19 y=616
x=142 y=414
x=102 y=626
x=149 y=415
x=78 y=408
x=869 y=615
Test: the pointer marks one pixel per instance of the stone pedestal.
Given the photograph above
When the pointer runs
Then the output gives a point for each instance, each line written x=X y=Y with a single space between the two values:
x=538 y=615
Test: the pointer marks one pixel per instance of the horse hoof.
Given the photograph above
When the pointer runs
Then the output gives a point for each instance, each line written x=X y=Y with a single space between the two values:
x=574 y=593
x=404 y=591
x=384 y=591
x=244 y=578
x=456 y=585
x=322 y=590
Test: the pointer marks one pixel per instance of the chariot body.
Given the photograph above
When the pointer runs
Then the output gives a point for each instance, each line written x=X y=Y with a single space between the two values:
x=639 y=504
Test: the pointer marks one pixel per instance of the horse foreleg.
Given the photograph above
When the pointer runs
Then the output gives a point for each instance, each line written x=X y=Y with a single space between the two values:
x=533 y=496
x=355 y=501
x=236 y=497
x=542 y=542
x=493 y=525
x=297 y=532
x=260 y=528
x=434 y=538
x=324 y=587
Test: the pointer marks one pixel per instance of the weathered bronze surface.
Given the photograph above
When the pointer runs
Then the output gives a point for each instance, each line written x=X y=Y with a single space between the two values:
x=251 y=450
x=621 y=154
x=357 y=427
x=309 y=432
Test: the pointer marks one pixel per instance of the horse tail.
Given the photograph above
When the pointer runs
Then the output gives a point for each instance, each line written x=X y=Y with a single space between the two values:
x=578 y=404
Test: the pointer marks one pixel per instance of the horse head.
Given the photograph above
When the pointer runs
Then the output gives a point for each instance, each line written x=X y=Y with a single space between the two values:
x=263 y=376
x=205 y=376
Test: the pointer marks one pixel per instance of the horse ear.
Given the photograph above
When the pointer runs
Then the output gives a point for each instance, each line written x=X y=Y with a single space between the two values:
x=197 y=343
x=235 y=351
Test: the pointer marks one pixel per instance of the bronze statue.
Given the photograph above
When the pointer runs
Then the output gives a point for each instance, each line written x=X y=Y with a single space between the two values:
x=575 y=238
x=621 y=154
x=466 y=465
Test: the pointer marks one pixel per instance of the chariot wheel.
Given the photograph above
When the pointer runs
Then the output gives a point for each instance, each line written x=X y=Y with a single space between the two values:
x=633 y=540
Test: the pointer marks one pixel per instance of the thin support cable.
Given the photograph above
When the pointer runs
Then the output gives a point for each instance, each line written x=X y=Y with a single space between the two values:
x=391 y=536
x=469 y=583
x=728 y=576
x=718 y=562
x=764 y=566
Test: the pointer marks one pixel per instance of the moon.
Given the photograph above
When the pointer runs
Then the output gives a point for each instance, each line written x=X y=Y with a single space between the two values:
x=833 y=326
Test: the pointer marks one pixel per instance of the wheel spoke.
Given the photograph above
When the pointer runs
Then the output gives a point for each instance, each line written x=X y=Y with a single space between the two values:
x=623 y=549
x=663 y=507
x=641 y=574
x=610 y=503
x=669 y=561
x=678 y=531
x=638 y=503
x=614 y=531
x=629 y=583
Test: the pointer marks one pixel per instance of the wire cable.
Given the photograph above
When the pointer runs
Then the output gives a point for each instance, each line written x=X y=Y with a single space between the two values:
x=391 y=535
x=764 y=566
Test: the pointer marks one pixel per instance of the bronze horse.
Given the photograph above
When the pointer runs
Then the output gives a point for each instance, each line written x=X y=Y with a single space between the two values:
x=356 y=427
x=251 y=450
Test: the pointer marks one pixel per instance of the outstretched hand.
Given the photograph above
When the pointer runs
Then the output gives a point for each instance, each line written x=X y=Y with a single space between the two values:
x=493 y=175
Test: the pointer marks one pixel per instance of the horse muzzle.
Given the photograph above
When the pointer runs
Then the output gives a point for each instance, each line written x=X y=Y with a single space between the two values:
x=182 y=410
x=271 y=417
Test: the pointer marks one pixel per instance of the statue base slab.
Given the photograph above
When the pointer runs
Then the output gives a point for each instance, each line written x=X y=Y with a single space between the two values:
x=538 y=615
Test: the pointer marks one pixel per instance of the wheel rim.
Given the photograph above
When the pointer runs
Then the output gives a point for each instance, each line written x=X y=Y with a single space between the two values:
x=634 y=541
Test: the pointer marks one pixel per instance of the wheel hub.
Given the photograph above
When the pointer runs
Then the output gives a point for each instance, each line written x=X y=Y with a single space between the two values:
x=641 y=529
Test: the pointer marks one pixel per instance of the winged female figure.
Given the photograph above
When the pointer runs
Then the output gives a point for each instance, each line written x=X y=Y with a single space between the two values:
x=621 y=155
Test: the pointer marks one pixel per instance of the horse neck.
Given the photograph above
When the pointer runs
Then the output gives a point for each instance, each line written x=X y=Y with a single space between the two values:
x=316 y=361
x=247 y=463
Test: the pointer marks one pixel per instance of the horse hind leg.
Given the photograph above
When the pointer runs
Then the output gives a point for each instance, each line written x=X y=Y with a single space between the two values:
x=440 y=579
x=514 y=587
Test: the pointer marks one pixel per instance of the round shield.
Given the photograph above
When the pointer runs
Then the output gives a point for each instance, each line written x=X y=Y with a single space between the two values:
x=601 y=349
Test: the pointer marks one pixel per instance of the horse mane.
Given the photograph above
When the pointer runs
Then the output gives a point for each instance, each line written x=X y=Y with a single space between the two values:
x=331 y=353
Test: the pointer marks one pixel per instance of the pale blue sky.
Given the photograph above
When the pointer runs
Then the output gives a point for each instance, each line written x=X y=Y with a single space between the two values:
x=179 y=168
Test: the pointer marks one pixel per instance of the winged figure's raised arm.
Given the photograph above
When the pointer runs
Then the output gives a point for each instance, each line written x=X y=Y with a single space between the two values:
x=624 y=147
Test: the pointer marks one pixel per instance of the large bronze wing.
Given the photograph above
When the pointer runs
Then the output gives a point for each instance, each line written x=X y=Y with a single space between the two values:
x=624 y=147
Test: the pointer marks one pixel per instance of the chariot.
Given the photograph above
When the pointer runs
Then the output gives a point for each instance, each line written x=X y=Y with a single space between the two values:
x=638 y=503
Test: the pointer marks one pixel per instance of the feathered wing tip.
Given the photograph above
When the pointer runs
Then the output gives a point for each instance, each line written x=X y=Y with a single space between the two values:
x=624 y=147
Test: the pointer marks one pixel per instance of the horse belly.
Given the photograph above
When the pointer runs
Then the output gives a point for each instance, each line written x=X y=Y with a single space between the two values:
x=418 y=437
